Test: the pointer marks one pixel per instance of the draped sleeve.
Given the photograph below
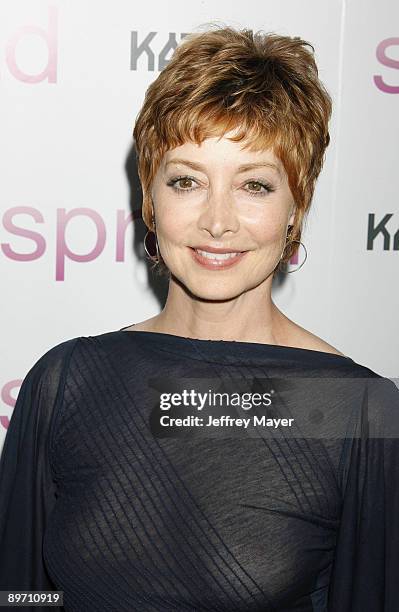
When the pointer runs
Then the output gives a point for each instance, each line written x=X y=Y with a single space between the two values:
x=27 y=486
x=365 y=573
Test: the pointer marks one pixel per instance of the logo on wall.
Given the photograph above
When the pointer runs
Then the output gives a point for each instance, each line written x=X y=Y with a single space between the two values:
x=50 y=38
x=377 y=229
x=143 y=48
x=385 y=60
x=62 y=251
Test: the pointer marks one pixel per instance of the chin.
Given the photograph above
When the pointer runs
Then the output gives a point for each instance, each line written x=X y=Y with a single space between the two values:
x=214 y=289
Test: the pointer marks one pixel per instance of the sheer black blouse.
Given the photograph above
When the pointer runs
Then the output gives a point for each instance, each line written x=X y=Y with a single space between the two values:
x=96 y=502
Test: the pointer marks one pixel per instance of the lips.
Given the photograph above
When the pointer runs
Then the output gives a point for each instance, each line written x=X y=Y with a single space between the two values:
x=213 y=249
x=217 y=259
x=217 y=256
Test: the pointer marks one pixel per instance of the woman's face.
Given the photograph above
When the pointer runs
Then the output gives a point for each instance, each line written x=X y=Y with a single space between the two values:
x=221 y=195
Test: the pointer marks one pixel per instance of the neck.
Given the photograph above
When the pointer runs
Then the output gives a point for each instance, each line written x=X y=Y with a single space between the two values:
x=249 y=317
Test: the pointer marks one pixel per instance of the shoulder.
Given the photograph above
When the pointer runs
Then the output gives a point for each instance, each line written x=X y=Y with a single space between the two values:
x=87 y=351
x=293 y=334
x=81 y=348
x=53 y=360
x=305 y=339
x=58 y=352
x=40 y=389
x=75 y=357
x=43 y=379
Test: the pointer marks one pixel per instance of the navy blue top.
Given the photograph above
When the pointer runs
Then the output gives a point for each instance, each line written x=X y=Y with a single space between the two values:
x=97 y=502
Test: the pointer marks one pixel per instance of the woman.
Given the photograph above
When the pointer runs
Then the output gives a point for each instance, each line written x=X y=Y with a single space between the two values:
x=120 y=512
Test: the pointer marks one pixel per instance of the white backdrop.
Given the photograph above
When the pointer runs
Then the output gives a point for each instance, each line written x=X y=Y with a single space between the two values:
x=72 y=79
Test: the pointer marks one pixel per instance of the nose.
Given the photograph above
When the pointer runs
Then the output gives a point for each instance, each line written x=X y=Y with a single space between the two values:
x=218 y=214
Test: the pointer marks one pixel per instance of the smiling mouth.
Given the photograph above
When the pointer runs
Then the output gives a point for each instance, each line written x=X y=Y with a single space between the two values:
x=217 y=261
x=218 y=256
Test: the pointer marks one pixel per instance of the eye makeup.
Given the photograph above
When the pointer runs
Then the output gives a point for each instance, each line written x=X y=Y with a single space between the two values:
x=266 y=187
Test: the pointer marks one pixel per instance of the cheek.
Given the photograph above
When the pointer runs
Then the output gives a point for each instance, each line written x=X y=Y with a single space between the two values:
x=172 y=233
x=171 y=222
x=267 y=228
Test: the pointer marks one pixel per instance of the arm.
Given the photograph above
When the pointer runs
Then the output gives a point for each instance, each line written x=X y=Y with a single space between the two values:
x=366 y=566
x=27 y=488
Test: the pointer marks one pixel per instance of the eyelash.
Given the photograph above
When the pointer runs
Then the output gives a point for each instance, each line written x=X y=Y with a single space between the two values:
x=267 y=186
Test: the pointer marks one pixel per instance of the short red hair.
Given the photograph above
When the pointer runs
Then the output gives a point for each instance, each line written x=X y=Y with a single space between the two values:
x=265 y=85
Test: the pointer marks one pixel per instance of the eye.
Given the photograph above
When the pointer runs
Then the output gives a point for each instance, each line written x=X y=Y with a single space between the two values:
x=183 y=184
x=259 y=188
x=183 y=180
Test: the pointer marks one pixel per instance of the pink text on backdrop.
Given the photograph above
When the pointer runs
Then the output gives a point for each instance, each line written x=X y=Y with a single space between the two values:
x=8 y=399
x=62 y=251
x=387 y=61
x=50 y=38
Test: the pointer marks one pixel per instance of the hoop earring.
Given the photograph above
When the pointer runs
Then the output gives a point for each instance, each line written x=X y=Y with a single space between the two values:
x=154 y=258
x=306 y=256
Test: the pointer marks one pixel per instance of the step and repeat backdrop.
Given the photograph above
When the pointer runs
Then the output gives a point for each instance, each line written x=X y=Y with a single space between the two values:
x=72 y=79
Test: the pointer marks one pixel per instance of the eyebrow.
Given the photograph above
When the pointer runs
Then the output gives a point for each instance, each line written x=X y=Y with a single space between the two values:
x=242 y=168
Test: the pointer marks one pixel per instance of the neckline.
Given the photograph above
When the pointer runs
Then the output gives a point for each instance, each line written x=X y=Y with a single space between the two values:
x=252 y=348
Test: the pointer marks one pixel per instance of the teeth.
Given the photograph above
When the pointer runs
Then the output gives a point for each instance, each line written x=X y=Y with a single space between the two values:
x=218 y=256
